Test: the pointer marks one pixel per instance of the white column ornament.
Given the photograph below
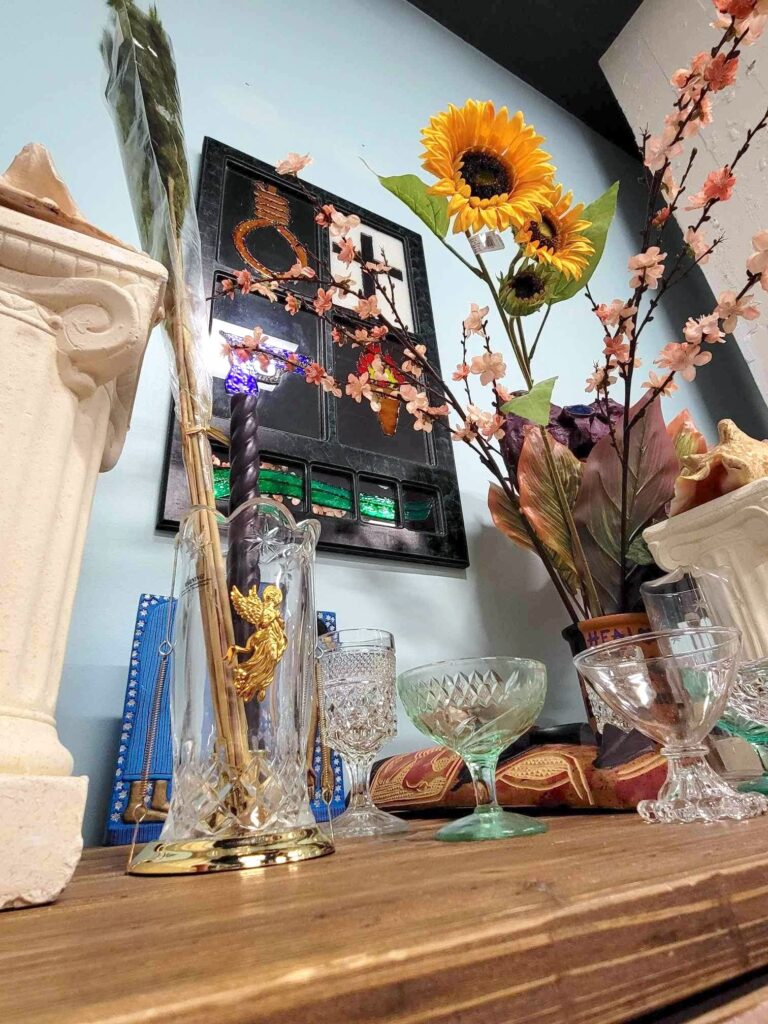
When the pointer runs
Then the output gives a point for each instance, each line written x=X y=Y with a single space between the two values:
x=729 y=533
x=76 y=309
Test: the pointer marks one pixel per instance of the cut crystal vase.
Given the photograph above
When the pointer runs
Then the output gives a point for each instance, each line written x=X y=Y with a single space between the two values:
x=242 y=704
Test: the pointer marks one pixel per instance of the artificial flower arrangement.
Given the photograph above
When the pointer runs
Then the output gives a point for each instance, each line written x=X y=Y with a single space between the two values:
x=579 y=484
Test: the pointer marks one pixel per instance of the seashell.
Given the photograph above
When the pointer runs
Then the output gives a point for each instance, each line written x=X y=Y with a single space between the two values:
x=736 y=459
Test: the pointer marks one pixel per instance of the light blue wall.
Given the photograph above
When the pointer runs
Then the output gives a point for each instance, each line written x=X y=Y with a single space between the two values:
x=341 y=79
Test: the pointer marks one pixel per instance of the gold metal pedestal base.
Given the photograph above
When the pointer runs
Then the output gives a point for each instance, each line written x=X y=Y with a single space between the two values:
x=199 y=856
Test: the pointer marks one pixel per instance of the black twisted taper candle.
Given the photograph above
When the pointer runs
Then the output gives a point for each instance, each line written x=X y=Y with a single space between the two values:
x=244 y=464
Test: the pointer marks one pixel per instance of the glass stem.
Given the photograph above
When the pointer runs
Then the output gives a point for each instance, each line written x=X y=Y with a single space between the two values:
x=483 y=772
x=359 y=793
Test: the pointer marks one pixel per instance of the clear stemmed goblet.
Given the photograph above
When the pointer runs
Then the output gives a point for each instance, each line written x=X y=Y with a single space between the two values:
x=356 y=669
x=673 y=686
x=477 y=707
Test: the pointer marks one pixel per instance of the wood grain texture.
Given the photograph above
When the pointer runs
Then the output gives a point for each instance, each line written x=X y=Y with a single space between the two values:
x=596 y=922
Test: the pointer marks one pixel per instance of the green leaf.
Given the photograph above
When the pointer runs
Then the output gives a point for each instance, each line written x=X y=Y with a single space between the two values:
x=412 y=191
x=600 y=214
x=638 y=552
x=533 y=406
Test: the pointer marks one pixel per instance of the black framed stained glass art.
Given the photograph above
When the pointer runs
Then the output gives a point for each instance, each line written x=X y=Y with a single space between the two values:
x=377 y=487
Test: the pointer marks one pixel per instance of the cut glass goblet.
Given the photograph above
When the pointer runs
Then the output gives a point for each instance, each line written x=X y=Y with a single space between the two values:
x=477 y=707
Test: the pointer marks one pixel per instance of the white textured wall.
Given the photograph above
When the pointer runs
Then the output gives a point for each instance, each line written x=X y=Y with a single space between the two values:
x=661 y=37
x=344 y=79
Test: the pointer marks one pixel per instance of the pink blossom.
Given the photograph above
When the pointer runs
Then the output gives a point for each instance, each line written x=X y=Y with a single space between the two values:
x=692 y=117
x=361 y=336
x=600 y=380
x=461 y=372
x=346 y=251
x=329 y=385
x=377 y=333
x=323 y=301
x=298 y=270
x=662 y=216
x=669 y=186
x=410 y=364
x=465 y=432
x=324 y=214
x=729 y=309
x=265 y=288
x=227 y=288
x=682 y=358
x=492 y=426
x=422 y=422
x=293 y=163
x=655 y=383
x=717 y=187
x=377 y=268
x=610 y=315
x=650 y=267
x=244 y=281
x=358 y=387
x=473 y=324
x=254 y=339
x=490 y=366
x=758 y=261
x=735 y=8
x=698 y=245
x=292 y=304
x=706 y=328
x=489 y=424
x=336 y=336
x=341 y=225
x=660 y=149
x=367 y=308
x=416 y=401
x=617 y=349
x=314 y=373
x=720 y=72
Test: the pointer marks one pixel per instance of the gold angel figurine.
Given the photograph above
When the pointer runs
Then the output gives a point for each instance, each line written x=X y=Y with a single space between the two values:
x=266 y=645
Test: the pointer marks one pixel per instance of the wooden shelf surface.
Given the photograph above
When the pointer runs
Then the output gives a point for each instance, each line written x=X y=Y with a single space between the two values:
x=599 y=921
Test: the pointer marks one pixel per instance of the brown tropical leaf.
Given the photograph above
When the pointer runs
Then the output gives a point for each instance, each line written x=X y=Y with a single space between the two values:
x=506 y=518
x=687 y=440
x=653 y=467
x=538 y=497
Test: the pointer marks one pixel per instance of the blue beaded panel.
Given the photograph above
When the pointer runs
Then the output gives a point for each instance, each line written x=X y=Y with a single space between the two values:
x=151 y=618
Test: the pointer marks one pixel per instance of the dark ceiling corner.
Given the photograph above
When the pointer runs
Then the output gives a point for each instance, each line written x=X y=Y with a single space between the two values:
x=553 y=45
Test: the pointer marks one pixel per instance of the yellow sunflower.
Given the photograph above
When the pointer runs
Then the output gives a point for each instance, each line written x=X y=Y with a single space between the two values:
x=555 y=235
x=490 y=166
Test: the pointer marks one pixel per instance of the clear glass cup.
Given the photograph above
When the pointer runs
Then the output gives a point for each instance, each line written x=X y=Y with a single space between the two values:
x=356 y=678
x=477 y=707
x=673 y=686
x=689 y=597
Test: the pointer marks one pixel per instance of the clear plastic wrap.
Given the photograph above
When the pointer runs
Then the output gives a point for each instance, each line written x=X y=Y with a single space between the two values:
x=143 y=97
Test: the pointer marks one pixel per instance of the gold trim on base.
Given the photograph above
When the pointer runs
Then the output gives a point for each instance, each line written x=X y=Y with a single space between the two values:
x=200 y=856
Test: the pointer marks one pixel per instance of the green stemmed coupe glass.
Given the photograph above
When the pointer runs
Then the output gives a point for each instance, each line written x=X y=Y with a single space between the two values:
x=477 y=707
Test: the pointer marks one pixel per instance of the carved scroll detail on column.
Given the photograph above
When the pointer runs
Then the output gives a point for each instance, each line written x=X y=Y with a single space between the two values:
x=98 y=326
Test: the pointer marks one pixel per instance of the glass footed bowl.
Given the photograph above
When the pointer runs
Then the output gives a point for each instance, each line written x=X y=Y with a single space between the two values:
x=477 y=707
x=673 y=685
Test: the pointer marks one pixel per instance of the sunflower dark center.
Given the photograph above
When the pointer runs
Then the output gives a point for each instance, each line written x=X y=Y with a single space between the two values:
x=486 y=175
x=527 y=285
x=544 y=232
